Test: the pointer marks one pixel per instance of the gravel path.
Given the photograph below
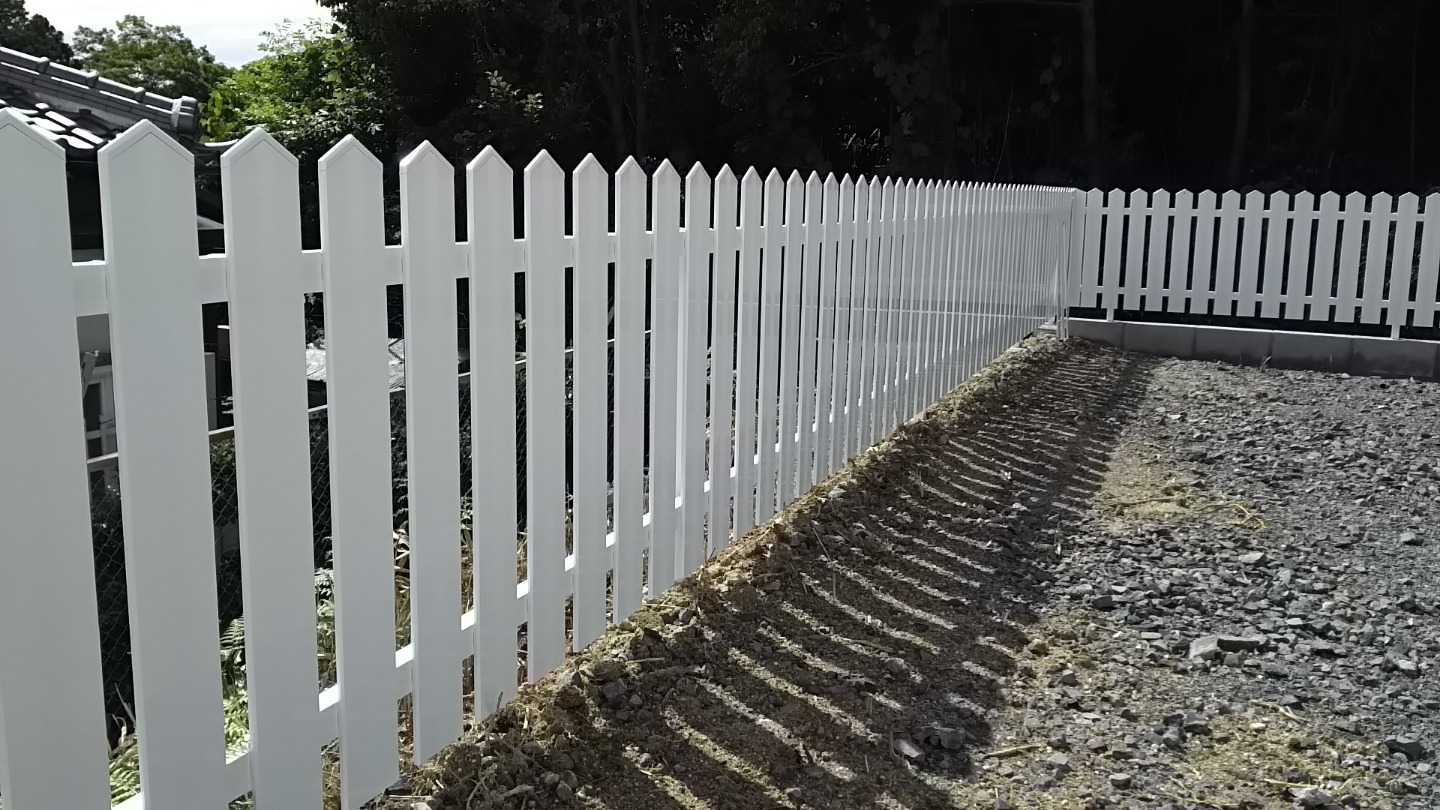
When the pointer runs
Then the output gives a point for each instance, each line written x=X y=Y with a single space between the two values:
x=1087 y=579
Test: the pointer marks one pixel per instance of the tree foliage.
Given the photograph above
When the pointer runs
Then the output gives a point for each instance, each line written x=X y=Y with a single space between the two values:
x=30 y=33
x=309 y=90
x=159 y=58
x=1214 y=92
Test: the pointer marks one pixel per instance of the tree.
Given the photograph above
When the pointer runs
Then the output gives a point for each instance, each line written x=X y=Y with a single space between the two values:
x=30 y=33
x=159 y=58
x=310 y=89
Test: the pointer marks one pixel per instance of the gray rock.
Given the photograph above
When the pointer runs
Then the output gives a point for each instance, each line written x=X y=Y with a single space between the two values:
x=906 y=749
x=1253 y=558
x=1410 y=539
x=1313 y=798
x=614 y=691
x=1121 y=781
x=1409 y=746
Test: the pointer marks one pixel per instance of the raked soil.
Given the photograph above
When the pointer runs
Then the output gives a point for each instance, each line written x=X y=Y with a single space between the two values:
x=1085 y=579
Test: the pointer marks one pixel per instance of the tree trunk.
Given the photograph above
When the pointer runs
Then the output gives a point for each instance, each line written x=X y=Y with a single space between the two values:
x=1090 y=97
x=1242 y=95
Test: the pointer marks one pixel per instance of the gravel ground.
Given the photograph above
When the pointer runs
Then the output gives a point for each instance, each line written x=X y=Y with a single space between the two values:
x=1086 y=579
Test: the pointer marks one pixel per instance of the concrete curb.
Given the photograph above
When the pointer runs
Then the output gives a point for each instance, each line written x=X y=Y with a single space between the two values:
x=1369 y=356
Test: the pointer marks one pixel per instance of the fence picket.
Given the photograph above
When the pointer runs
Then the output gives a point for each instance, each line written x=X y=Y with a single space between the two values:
x=590 y=207
x=261 y=188
x=840 y=380
x=545 y=507
x=53 y=751
x=747 y=455
x=148 y=215
x=432 y=415
x=1251 y=230
x=1326 y=243
x=885 y=324
x=1352 y=223
x=1224 y=285
x=1278 y=219
x=495 y=520
x=1161 y=216
x=1403 y=264
x=666 y=338
x=825 y=346
x=1297 y=262
x=1427 y=296
x=630 y=294
x=862 y=319
x=1376 y=260
x=357 y=381
x=810 y=332
x=722 y=360
x=771 y=345
x=1177 y=285
x=699 y=242
x=792 y=314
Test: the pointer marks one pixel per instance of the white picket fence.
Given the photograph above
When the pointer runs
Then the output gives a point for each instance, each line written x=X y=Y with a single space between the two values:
x=840 y=310
x=1367 y=260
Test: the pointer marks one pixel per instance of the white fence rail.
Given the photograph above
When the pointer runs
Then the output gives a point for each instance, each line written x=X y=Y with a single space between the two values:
x=839 y=310
x=1356 y=260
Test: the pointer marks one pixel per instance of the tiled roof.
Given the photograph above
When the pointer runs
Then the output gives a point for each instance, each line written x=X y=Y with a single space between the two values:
x=79 y=131
x=82 y=111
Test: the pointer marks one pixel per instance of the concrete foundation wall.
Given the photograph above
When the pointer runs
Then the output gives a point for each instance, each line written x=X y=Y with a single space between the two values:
x=1382 y=357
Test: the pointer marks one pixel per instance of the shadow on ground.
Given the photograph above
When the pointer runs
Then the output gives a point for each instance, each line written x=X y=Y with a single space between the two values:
x=850 y=654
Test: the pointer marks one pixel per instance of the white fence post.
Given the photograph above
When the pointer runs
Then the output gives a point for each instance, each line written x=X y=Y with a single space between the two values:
x=665 y=344
x=747 y=402
x=432 y=448
x=352 y=234
x=261 y=190
x=545 y=386
x=148 y=214
x=722 y=359
x=694 y=360
x=772 y=346
x=590 y=444
x=490 y=195
x=792 y=314
x=52 y=715
x=630 y=294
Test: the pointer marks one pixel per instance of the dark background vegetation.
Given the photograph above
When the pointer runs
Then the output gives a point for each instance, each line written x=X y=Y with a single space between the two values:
x=1271 y=94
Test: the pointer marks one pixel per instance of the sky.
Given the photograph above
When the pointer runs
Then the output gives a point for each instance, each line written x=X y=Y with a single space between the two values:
x=231 y=30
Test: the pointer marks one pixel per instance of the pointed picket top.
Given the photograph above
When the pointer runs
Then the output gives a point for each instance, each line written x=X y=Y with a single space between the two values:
x=752 y=175
x=1255 y=200
x=1183 y=194
x=889 y=183
x=1382 y=203
x=666 y=170
x=542 y=165
x=630 y=168
x=259 y=143
x=348 y=150
x=774 y=176
x=13 y=126
x=591 y=170
x=1304 y=201
x=426 y=155
x=725 y=174
x=142 y=133
x=847 y=188
x=488 y=164
x=1408 y=198
x=1279 y=201
x=1330 y=196
x=697 y=174
x=1231 y=198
